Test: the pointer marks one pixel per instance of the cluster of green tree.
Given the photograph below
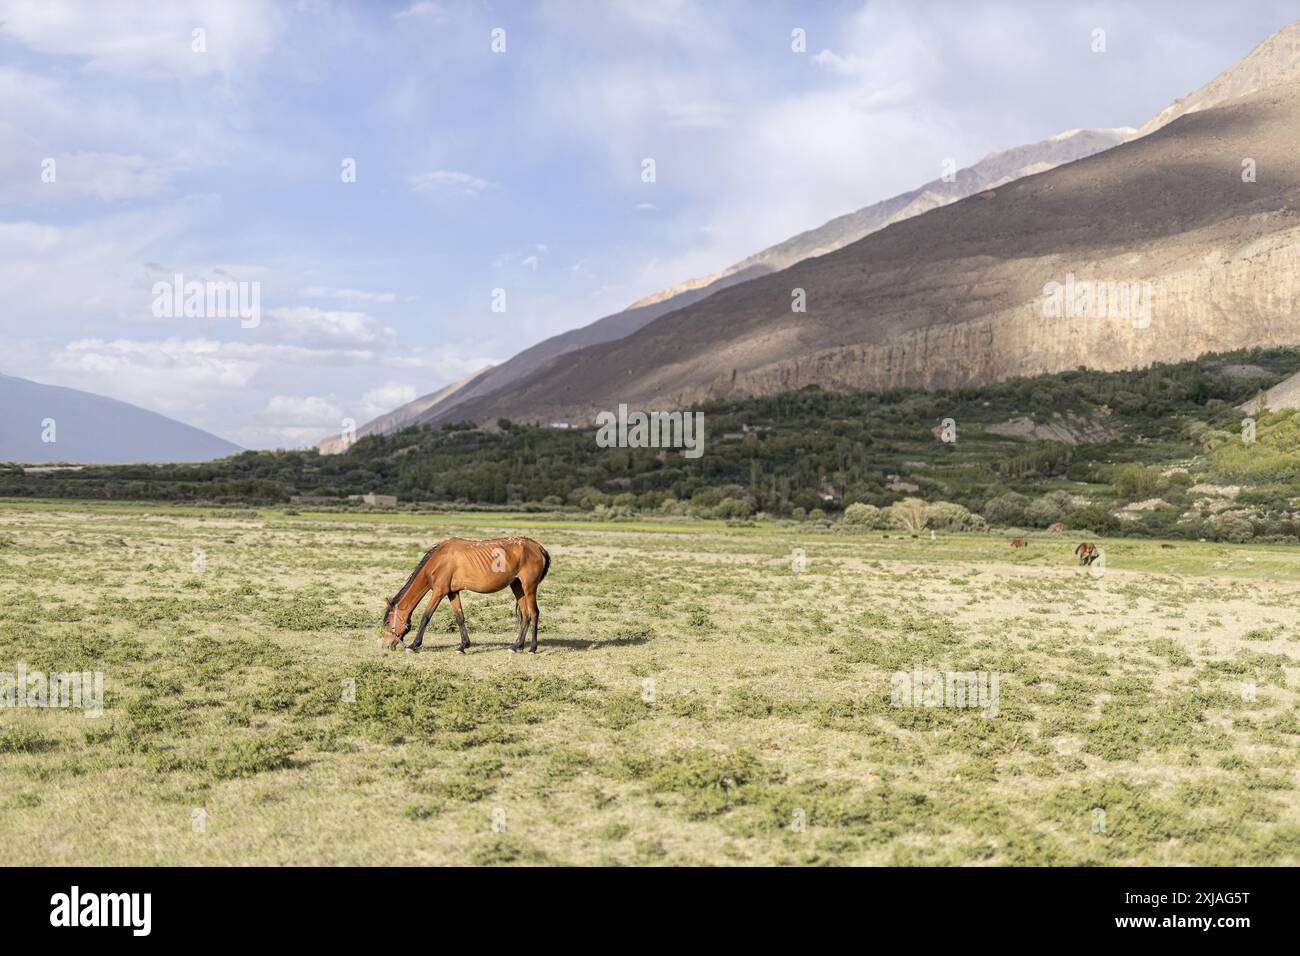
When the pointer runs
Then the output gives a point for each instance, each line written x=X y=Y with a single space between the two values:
x=810 y=453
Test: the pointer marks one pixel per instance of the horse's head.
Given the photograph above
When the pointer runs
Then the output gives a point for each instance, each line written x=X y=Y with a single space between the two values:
x=394 y=628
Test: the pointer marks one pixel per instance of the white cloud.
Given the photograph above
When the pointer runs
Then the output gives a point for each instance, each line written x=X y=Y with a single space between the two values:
x=425 y=8
x=696 y=115
x=313 y=326
x=87 y=276
x=300 y=412
x=105 y=176
x=106 y=144
x=197 y=381
x=152 y=40
x=385 y=398
x=17 y=238
x=448 y=180
x=347 y=295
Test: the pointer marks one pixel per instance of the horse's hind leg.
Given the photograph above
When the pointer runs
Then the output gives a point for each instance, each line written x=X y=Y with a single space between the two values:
x=533 y=613
x=521 y=605
x=460 y=620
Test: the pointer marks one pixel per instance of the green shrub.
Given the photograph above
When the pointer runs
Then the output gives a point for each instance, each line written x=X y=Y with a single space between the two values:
x=865 y=516
x=733 y=508
x=1092 y=518
x=1138 y=482
x=1273 y=456
x=1049 y=509
x=1007 y=510
x=1229 y=528
x=706 y=498
x=948 y=516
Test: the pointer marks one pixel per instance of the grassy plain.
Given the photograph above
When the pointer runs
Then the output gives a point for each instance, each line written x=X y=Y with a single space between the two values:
x=696 y=697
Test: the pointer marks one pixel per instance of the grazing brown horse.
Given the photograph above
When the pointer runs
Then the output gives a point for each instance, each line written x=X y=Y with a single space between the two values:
x=1087 y=553
x=1019 y=543
x=456 y=565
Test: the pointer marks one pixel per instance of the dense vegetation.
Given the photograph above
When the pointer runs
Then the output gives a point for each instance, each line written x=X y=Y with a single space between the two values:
x=1149 y=437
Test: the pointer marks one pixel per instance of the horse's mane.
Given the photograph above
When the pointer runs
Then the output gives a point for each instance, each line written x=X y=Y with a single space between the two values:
x=402 y=590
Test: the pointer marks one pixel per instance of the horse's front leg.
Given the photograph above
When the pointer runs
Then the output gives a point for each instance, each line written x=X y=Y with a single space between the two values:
x=424 y=622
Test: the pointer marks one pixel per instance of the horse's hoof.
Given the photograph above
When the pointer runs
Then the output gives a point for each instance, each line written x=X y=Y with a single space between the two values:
x=460 y=650
x=532 y=650
x=411 y=650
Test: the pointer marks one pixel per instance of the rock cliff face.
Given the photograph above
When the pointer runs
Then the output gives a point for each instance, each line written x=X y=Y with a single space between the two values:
x=960 y=295
x=1204 y=304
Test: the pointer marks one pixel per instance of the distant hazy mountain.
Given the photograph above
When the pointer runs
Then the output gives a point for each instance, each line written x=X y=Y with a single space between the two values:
x=994 y=170
x=92 y=429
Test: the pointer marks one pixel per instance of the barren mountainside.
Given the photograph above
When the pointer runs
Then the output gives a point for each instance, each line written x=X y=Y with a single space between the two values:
x=955 y=296
x=995 y=169
x=1275 y=61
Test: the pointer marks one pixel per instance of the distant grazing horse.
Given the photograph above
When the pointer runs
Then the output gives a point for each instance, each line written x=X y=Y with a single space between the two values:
x=456 y=565
x=1087 y=553
x=1019 y=543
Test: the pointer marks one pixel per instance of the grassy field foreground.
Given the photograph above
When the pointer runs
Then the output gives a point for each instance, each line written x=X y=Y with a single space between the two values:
x=698 y=698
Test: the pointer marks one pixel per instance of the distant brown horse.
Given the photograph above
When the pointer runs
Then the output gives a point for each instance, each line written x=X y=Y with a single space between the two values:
x=1019 y=543
x=1087 y=553
x=456 y=565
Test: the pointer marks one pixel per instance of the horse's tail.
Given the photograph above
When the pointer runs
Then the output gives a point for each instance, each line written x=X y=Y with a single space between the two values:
x=1079 y=548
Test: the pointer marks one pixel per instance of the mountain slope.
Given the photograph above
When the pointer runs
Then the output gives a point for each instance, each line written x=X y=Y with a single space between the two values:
x=955 y=295
x=607 y=329
x=1273 y=62
x=1285 y=394
x=995 y=169
x=90 y=428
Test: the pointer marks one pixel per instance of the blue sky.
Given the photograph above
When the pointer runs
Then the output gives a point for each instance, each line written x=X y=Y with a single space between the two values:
x=479 y=170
